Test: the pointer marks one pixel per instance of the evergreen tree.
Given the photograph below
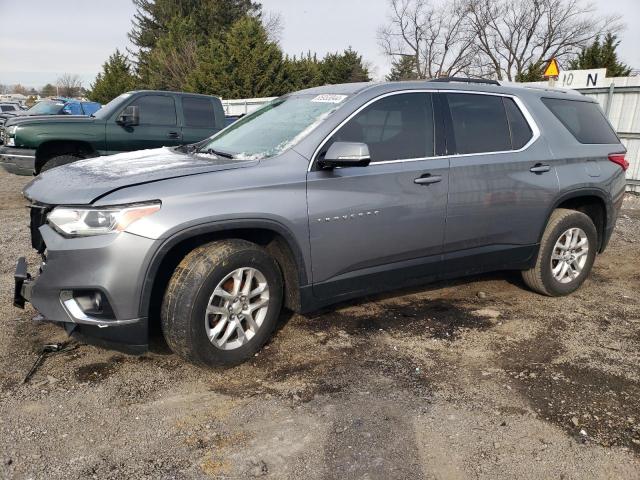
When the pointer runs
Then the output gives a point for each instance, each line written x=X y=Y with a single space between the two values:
x=244 y=64
x=302 y=73
x=602 y=55
x=343 y=68
x=403 y=68
x=173 y=58
x=533 y=73
x=206 y=19
x=116 y=78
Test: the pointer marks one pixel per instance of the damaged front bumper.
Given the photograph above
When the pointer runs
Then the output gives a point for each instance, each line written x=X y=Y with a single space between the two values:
x=91 y=285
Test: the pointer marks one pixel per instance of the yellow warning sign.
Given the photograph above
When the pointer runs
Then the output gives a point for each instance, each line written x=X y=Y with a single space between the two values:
x=553 y=69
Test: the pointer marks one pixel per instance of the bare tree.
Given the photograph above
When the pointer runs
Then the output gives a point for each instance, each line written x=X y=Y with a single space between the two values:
x=437 y=36
x=497 y=38
x=274 y=25
x=69 y=85
x=513 y=35
x=171 y=63
x=4 y=89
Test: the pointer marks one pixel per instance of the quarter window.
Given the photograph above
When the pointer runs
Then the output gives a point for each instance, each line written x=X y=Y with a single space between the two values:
x=520 y=130
x=394 y=128
x=479 y=123
x=156 y=110
x=198 y=112
x=583 y=119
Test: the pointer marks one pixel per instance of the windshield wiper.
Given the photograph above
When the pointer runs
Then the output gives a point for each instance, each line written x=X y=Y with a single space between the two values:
x=218 y=153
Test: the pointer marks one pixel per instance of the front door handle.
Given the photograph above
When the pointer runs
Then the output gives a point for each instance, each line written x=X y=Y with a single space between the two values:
x=427 y=179
x=540 y=168
x=173 y=134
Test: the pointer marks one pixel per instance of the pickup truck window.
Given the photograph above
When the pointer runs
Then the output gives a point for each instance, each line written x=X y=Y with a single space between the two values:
x=111 y=107
x=198 y=112
x=156 y=110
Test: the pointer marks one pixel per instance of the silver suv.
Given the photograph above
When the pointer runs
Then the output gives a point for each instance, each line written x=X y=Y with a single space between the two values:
x=321 y=196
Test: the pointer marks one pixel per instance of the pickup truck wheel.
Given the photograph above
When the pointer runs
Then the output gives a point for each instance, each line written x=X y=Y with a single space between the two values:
x=60 y=160
x=222 y=303
x=566 y=255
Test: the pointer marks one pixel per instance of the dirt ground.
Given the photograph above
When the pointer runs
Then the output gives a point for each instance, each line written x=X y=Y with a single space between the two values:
x=477 y=378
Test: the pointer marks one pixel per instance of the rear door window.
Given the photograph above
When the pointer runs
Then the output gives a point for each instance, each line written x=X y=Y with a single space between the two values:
x=584 y=120
x=394 y=128
x=479 y=123
x=198 y=112
x=156 y=110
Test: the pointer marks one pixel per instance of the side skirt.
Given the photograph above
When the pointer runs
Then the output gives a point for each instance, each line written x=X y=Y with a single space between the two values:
x=417 y=272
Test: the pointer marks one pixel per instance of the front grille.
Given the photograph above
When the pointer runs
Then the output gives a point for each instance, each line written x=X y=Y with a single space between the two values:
x=38 y=218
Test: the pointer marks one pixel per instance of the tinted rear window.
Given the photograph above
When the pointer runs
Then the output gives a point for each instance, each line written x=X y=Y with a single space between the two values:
x=583 y=119
x=156 y=110
x=479 y=123
x=198 y=112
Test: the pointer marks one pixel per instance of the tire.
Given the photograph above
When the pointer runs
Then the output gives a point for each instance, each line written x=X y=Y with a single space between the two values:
x=565 y=227
x=186 y=321
x=59 y=160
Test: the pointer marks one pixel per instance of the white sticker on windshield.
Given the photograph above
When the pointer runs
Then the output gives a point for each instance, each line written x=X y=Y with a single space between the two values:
x=329 y=98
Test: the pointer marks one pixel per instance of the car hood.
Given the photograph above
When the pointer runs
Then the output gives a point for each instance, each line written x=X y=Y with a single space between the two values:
x=85 y=181
x=26 y=119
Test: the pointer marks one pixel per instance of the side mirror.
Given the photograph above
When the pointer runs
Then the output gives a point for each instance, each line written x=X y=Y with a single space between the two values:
x=346 y=154
x=129 y=117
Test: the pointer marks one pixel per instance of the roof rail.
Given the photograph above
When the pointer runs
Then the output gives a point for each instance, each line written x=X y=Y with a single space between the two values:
x=466 y=80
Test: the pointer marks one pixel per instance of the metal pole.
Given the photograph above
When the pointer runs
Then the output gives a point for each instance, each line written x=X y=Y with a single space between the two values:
x=609 y=100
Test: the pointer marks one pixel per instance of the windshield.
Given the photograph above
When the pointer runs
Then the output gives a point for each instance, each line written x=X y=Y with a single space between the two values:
x=275 y=127
x=46 y=108
x=111 y=107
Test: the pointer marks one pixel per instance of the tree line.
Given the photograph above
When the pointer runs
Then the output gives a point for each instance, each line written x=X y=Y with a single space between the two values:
x=501 y=39
x=227 y=48
x=230 y=48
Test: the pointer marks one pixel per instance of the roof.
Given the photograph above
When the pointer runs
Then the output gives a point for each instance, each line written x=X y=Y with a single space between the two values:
x=173 y=91
x=502 y=87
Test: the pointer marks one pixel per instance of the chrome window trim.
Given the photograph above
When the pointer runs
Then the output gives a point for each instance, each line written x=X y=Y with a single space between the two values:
x=519 y=103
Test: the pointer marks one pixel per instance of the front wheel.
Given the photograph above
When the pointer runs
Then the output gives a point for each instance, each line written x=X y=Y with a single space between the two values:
x=59 y=160
x=222 y=303
x=566 y=255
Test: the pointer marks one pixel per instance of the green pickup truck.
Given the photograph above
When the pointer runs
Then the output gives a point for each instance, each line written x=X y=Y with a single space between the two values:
x=133 y=121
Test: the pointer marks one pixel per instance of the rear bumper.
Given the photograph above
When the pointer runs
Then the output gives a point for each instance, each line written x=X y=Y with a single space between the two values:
x=20 y=161
x=112 y=265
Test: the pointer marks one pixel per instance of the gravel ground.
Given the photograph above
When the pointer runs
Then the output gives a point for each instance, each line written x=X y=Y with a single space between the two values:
x=477 y=378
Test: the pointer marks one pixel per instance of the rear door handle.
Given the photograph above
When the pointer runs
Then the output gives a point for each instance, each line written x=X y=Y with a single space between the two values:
x=173 y=134
x=540 y=168
x=427 y=179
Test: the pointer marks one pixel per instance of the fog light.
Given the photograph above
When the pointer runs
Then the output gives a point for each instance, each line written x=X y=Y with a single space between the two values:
x=92 y=303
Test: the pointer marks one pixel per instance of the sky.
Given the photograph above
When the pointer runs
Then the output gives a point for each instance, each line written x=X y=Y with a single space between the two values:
x=42 y=39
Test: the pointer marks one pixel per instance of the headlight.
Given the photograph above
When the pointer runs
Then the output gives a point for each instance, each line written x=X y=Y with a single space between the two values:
x=76 y=222
x=11 y=130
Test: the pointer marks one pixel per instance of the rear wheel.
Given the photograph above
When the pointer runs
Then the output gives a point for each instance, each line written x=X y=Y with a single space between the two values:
x=566 y=255
x=222 y=303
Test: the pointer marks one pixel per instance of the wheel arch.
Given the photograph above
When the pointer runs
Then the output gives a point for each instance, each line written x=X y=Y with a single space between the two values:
x=274 y=237
x=53 y=148
x=593 y=202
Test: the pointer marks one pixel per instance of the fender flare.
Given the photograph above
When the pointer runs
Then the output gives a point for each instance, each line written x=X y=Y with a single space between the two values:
x=577 y=193
x=214 y=227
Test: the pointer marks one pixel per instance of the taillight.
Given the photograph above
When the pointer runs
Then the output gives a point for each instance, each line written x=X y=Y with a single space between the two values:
x=619 y=159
